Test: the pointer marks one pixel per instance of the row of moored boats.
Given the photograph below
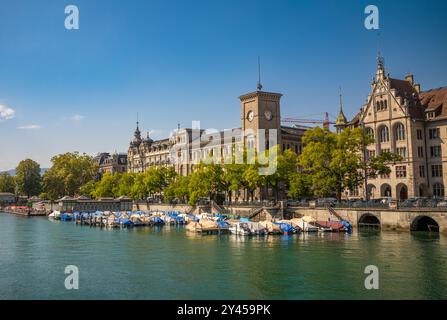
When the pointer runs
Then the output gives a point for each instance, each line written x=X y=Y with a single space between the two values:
x=203 y=223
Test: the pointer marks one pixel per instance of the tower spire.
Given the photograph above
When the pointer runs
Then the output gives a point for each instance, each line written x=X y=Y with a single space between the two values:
x=341 y=100
x=259 y=86
x=340 y=122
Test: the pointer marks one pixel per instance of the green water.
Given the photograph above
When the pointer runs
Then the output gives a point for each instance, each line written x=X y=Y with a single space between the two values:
x=170 y=263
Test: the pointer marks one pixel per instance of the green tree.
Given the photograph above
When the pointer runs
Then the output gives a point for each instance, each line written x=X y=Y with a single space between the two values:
x=178 y=188
x=139 y=189
x=7 y=183
x=68 y=173
x=88 y=189
x=337 y=161
x=125 y=184
x=28 y=178
x=287 y=164
x=299 y=185
x=107 y=186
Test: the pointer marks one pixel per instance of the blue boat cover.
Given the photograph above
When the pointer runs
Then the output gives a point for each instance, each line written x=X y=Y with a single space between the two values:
x=285 y=227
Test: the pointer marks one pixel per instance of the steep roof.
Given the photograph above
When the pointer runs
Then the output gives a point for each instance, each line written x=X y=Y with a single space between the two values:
x=435 y=100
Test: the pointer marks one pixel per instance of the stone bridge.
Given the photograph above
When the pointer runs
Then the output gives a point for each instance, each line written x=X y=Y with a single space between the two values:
x=411 y=219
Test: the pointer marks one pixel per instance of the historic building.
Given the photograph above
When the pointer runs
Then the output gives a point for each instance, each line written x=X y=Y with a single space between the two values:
x=412 y=123
x=260 y=114
x=112 y=163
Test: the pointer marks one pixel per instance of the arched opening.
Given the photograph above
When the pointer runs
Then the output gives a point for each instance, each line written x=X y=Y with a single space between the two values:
x=385 y=190
x=369 y=221
x=424 y=223
x=399 y=132
x=384 y=135
x=371 y=190
x=402 y=191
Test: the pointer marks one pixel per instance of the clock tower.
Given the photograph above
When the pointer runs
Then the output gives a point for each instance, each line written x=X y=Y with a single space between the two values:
x=260 y=110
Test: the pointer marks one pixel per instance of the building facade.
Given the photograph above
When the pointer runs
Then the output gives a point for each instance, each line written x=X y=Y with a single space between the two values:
x=111 y=163
x=260 y=115
x=409 y=122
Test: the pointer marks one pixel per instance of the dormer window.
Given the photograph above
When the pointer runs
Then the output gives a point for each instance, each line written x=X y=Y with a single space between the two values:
x=430 y=115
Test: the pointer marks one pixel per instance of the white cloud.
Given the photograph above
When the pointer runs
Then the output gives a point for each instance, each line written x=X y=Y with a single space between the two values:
x=6 y=113
x=77 y=117
x=30 y=127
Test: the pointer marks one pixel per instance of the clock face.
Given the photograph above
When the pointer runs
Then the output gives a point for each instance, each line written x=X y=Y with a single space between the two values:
x=268 y=115
x=250 y=116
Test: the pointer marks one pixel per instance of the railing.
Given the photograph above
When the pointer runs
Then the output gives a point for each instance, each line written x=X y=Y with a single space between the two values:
x=334 y=213
x=369 y=205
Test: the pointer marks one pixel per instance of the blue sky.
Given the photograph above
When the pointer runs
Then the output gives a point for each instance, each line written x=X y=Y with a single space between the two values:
x=179 y=61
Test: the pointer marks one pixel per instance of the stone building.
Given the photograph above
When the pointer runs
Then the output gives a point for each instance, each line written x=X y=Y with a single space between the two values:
x=260 y=115
x=144 y=153
x=412 y=123
x=111 y=163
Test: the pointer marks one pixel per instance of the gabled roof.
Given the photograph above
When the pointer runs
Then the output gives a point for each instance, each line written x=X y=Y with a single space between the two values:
x=435 y=100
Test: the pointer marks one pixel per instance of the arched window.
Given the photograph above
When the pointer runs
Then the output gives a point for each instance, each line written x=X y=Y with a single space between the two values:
x=384 y=135
x=399 y=132
x=370 y=132
x=438 y=190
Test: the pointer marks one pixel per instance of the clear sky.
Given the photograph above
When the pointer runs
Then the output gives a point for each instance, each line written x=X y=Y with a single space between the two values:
x=179 y=61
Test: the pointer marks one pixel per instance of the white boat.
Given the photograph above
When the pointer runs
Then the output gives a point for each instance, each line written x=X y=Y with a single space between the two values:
x=55 y=215
x=247 y=228
x=304 y=225
x=239 y=229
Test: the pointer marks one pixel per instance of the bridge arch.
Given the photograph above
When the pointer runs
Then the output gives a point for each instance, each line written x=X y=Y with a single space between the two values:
x=424 y=223
x=369 y=221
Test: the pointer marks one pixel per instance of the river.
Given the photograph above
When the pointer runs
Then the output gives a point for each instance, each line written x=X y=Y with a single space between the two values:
x=170 y=263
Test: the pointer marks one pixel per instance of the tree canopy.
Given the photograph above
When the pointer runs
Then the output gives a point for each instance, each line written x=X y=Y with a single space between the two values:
x=28 y=179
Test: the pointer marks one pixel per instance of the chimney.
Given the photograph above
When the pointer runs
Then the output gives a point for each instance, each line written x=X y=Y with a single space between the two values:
x=409 y=78
x=417 y=87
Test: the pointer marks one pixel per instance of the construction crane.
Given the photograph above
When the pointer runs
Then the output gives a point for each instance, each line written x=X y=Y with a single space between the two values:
x=325 y=122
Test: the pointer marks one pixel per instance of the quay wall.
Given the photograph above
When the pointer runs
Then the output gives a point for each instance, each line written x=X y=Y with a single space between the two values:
x=390 y=219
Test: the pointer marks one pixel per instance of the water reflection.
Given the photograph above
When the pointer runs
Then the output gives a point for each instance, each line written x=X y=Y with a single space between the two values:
x=170 y=263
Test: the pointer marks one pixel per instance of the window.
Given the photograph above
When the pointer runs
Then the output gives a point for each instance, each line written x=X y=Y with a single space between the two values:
x=401 y=171
x=384 y=150
x=438 y=190
x=435 y=151
x=370 y=154
x=354 y=192
x=420 y=152
x=434 y=133
x=399 y=132
x=381 y=105
x=384 y=134
x=419 y=134
x=436 y=170
x=422 y=171
x=385 y=176
x=370 y=132
x=402 y=152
